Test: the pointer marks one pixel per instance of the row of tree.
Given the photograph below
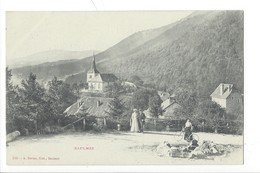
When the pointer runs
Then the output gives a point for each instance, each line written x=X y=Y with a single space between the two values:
x=31 y=107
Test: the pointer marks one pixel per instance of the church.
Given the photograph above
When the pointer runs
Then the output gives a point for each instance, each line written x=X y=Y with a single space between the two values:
x=97 y=82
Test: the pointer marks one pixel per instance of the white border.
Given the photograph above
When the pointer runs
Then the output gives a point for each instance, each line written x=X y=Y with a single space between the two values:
x=252 y=88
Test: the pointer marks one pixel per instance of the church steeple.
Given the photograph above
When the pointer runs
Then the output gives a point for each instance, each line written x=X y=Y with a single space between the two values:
x=93 y=65
x=93 y=70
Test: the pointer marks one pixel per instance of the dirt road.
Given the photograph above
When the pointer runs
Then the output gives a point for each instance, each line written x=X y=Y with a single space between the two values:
x=110 y=148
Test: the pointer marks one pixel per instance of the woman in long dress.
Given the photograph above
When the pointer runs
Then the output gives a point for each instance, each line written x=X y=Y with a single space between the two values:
x=135 y=123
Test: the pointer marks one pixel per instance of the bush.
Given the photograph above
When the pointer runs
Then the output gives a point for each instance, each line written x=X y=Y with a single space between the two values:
x=97 y=127
x=24 y=126
x=91 y=122
x=53 y=129
x=125 y=124
x=111 y=123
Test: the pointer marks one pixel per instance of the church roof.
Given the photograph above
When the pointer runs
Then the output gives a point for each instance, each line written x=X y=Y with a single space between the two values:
x=104 y=77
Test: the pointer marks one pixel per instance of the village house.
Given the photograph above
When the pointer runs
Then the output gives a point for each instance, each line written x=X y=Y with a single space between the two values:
x=98 y=82
x=169 y=107
x=229 y=98
x=91 y=106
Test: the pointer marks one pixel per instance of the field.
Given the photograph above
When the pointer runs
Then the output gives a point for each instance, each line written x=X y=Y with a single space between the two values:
x=113 y=148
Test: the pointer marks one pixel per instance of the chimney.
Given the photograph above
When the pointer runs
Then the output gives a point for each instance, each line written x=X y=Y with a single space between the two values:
x=172 y=99
x=229 y=87
x=221 y=89
x=80 y=103
x=98 y=103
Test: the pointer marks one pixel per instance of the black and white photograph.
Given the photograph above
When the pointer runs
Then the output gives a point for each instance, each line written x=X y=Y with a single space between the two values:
x=125 y=88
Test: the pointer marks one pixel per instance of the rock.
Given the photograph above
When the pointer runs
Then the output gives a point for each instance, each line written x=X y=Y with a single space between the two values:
x=175 y=152
x=198 y=153
x=12 y=136
x=213 y=150
x=163 y=149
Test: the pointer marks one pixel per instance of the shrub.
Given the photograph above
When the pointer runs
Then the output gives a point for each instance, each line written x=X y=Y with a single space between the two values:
x=125 y=124
x=111 y=123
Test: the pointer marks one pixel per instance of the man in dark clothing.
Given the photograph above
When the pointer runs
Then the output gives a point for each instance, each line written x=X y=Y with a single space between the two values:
x=142 y=119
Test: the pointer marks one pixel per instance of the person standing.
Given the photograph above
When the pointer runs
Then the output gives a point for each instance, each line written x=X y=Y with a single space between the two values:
x=134 y=121
x=142 y=119
x=187 y=128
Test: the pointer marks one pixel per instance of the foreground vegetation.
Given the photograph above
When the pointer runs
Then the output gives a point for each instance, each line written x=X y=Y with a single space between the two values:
x=34 y=109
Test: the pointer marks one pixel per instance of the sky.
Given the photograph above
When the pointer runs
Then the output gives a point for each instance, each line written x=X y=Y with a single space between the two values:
x=32 y=32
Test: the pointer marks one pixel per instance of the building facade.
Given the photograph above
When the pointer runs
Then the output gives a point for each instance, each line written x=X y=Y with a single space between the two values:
x=229 y=98
x=98 y=82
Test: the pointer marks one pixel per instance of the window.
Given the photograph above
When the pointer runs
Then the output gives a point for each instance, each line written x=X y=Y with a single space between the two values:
x=99 y=86
x=90 y=76
x=238 y=100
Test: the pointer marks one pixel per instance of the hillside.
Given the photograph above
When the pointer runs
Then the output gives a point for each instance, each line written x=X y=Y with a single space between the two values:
x=50 y=56
x=47 y=71
x=199 y=52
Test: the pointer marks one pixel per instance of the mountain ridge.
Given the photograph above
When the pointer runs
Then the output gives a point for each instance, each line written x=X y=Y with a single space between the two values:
x=50 y=56
x=198 y=52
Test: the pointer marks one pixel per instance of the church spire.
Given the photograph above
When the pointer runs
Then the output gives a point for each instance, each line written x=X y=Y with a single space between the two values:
x=93 y=68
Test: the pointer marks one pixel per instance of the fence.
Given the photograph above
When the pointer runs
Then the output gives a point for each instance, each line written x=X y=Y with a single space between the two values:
x=227 y=127
x=156 y=124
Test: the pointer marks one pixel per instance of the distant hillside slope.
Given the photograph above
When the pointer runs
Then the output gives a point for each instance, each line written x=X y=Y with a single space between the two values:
x=50 y=56
x=199 y=52
x=46 y=72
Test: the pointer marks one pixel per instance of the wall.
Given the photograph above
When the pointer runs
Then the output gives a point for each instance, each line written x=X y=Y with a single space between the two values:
x=88 y=76
x=221 y=102
x=235 y=103
x=95 y=86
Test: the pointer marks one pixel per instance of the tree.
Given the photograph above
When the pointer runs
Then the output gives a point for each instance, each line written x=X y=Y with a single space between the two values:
x=147 y=98
x=75 y=87
x=60 y=96
x=136 y=80
x=211 y=112
x=114 y=90
x=155 y=105
x=189 y=103
x=33 y=106
x=140 y=99
x=116 y=108
x=12 y=100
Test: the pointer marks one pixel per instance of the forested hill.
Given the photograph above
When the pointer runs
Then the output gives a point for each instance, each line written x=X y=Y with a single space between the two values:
x=198 y=52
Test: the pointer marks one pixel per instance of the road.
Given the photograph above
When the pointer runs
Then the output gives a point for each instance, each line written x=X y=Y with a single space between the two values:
x=115 y=148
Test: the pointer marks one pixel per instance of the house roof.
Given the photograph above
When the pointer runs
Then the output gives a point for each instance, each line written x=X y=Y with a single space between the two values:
x=89 y=106
x=163 y=95
x=173 y=95
x=226 y=91
x=104 y=77
x=170 y=110
x=169 y=107
x=166 y=103
x=129 y=84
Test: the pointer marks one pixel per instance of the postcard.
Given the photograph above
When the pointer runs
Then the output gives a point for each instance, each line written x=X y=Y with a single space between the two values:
x=125 y=88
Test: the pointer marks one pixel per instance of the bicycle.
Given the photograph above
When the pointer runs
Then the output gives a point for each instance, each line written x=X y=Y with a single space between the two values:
x=180 y=136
